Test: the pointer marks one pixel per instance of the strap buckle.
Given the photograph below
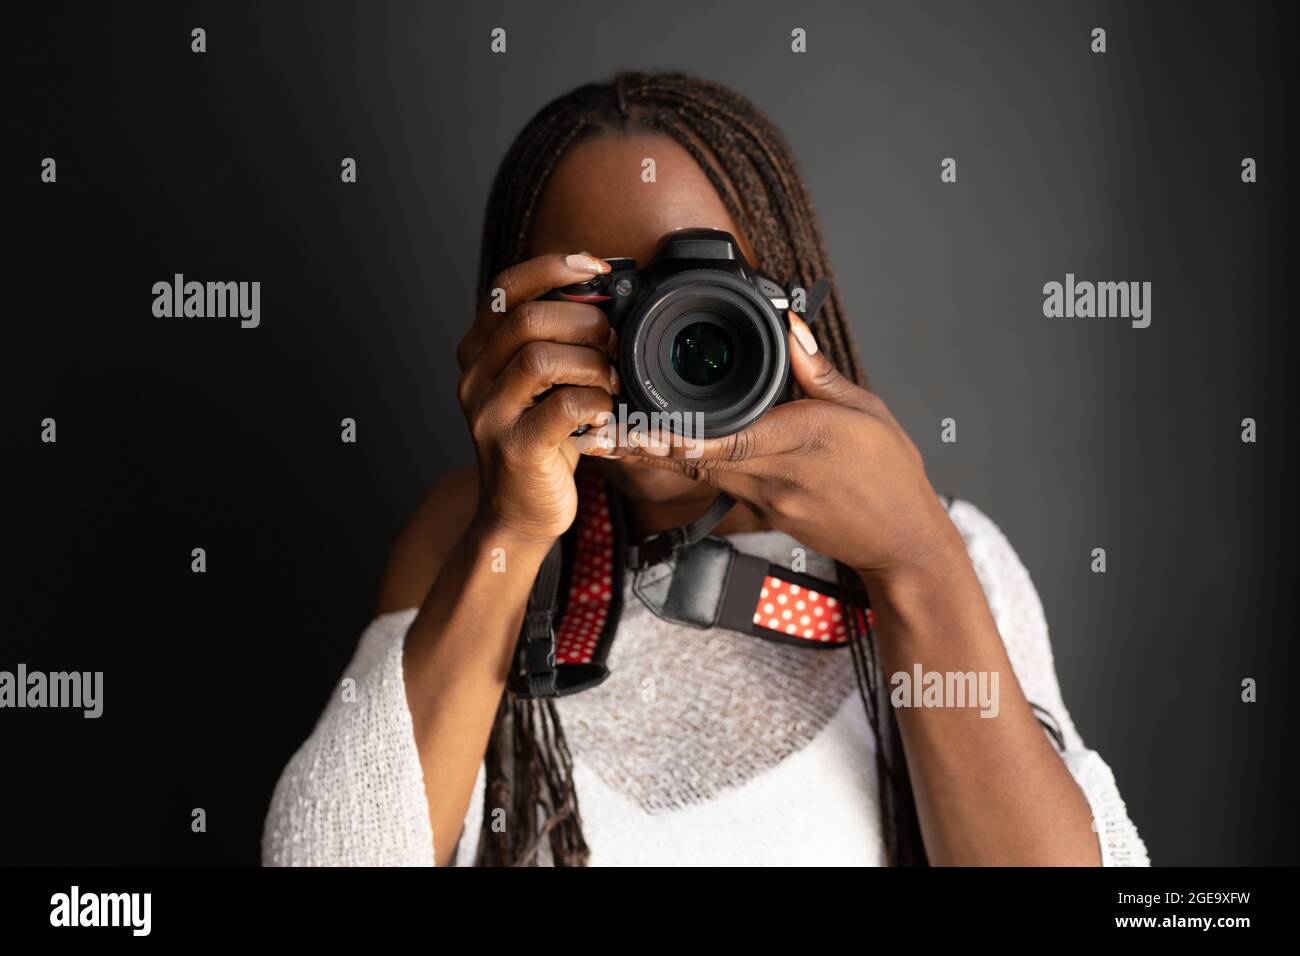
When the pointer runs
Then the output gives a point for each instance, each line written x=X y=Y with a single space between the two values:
x=539 y=658
x=656 y=548
x=539 y=653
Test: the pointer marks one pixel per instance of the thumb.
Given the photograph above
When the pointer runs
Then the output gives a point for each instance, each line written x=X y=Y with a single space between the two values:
x=812 y=369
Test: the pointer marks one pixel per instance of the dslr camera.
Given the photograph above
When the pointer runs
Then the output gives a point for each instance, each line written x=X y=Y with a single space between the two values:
x=702 y=334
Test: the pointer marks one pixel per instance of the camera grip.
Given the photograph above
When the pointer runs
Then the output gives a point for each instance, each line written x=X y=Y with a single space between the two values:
x=591 y=292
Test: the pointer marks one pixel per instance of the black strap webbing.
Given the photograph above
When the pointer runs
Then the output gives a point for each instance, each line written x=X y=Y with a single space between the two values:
x=820 y=290
x=538 y=635
x=660 y=547
x=1049 y=724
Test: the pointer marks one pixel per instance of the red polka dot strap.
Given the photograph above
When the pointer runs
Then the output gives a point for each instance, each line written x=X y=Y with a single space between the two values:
x=590 y=608
x=804 y=611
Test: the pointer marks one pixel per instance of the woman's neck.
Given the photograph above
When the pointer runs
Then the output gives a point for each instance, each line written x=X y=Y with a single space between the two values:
x=651 y=517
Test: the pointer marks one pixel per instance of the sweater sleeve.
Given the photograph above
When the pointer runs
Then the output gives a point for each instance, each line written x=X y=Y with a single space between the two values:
x=1019 y=615
x=353 y=794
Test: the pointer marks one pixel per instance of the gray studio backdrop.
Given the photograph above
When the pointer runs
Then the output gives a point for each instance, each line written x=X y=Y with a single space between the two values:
x=1073 y=434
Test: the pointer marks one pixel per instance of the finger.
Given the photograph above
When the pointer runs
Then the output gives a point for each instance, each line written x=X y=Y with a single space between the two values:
x=569 y=323
x=521 y=283
x=815 y=372
x=738 y=484
x=564 y=411
x=782 y=430
x=540 y=366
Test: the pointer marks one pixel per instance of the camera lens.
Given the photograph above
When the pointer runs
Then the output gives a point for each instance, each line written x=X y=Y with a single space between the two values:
x=702 y=353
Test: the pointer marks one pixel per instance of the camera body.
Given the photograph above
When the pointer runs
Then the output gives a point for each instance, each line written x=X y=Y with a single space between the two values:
x=702 y=334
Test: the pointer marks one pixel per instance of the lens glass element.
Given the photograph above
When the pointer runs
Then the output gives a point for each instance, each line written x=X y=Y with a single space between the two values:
x=702 y=353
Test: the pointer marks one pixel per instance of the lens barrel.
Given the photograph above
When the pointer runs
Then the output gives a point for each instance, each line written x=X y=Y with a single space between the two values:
x=706 y=351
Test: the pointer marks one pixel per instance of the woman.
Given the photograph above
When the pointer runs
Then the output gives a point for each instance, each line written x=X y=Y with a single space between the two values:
x=701 y=747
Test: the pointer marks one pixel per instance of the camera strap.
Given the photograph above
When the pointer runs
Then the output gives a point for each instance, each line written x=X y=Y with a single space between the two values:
x=816 y=296
x=660 y=547
x=684 y=575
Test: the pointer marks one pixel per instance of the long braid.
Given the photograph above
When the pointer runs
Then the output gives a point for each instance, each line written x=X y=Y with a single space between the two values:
x=753 y=170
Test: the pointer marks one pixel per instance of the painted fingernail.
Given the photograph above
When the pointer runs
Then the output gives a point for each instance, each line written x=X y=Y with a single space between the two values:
x=584 y=262
x=803 y=334
x=594 y=443
x=651 y=443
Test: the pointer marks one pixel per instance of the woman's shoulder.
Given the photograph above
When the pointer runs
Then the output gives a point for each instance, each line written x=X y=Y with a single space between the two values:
x=1004 y=576
x=975 y=525
x=426 y=539
x=1014 y=601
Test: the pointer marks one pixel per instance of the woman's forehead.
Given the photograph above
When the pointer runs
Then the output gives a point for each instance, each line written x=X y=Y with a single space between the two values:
x=598 y=199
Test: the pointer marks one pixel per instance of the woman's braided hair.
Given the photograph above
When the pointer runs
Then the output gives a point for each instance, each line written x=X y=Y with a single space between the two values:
x=753 y=170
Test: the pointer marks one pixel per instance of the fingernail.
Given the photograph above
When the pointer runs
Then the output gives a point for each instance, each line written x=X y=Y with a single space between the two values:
x=583 y=262
x=650 y=443
x=803 y=334
x=615 y=383
x=594 y=443
x=612 y=346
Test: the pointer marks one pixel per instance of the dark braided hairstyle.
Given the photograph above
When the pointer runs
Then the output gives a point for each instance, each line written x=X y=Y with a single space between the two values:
x=753 y=170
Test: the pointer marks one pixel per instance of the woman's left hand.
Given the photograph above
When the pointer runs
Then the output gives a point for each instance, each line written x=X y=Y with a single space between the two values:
x=834 y=470
x=837 y=473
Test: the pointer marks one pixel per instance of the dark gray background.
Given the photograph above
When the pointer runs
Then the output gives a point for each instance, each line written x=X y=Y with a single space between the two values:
x=1073 y=434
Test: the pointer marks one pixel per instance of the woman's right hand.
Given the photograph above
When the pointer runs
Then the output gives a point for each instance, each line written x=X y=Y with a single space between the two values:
x=531 y=375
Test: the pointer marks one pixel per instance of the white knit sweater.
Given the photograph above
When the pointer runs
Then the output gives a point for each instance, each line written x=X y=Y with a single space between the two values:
x=702 y=747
